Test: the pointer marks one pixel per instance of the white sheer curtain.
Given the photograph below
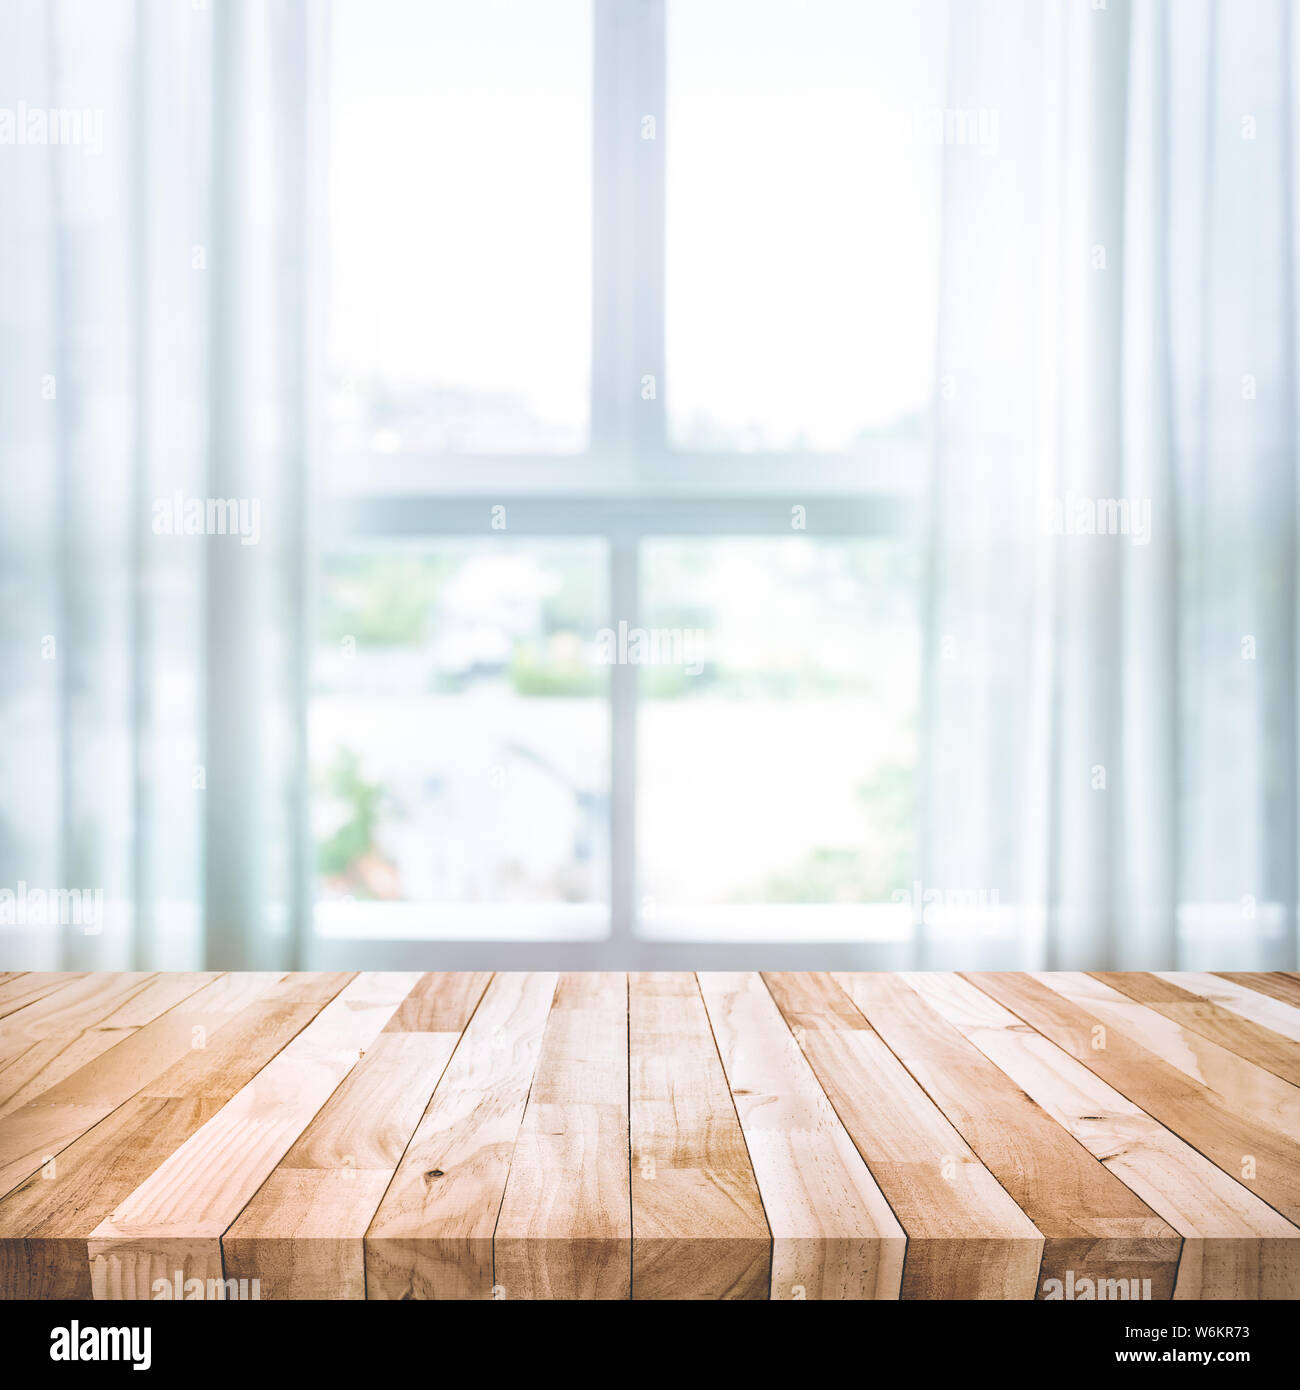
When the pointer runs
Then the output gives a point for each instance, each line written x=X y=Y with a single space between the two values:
x=155 y=341
x=1110 y=720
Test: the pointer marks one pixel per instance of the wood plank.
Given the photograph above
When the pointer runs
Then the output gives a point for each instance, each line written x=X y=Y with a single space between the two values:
x=565 y=1228
x=966 y=1237
x=431 y=1236
x=162 y=993
x=45 y=1223
x=34 y=1134
x=1094 y=1226
x=698 y=1229
x=1264 y=1160
x=659 y=1135
x=302 y=1235
x=443 y=1001
x=64 y=1007
x=174 y=1220
x=1238 y=999
x=30 y=985
x=32 y=1038
x=1277 y=984
x=1243 y=1087
x=1247 y=1039
x=1234 y=1246
x=834 y=1235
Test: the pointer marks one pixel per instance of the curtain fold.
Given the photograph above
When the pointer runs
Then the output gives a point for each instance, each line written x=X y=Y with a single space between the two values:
x=153 y=411
x=1113 y=519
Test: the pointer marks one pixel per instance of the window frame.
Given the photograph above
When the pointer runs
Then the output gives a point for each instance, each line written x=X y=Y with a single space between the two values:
x=646 y=488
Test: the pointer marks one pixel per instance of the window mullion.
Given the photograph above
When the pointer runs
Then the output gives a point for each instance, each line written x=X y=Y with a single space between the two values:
x=627 y=431
x=627 y=235
x=646 y=267
x=624 y=602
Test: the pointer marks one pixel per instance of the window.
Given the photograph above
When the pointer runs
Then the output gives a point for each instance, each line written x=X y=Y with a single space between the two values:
x=800 y=303
x=460 y=273
x=606 y=514
x=777 y=756
x=460 y=738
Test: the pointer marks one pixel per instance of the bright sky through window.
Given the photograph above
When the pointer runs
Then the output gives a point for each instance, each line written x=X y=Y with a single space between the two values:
x=802 y=219
x=801 y=239
x=460 y=205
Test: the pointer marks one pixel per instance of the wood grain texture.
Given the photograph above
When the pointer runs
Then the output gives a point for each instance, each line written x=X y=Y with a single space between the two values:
x=173 y=1222
x=698 y=1229
x=35 y=1133
x=46 y=1221
x=1227 y=1230
x=1265 y=1160
x=1277 y=984
x=1243 y=1087
x=32 y=1039
x=25 y=987
x=966 y=1237
x=431 y=1236
x=1230 y=994
x=833 y=1233
x=654 y=1136
x=1247 y=1039
x=565 y=1227
x=1093 y=1225
x=302 y=1234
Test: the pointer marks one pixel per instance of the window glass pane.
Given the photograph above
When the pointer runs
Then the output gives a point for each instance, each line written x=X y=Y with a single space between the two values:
x=460 y=726
x=460 y=236
x=777 y=742
x=803 y=161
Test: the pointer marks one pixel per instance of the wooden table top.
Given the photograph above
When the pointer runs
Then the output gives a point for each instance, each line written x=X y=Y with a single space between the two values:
x=534 y=1135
